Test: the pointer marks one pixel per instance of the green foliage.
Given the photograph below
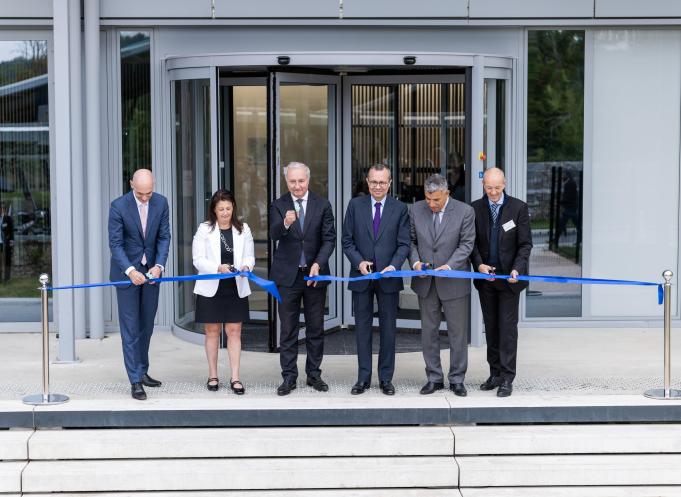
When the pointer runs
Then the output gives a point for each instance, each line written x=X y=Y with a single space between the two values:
x=31 y=61
x=555 y=96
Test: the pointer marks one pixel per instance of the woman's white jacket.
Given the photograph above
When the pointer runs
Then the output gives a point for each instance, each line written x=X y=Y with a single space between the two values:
x=206 y=257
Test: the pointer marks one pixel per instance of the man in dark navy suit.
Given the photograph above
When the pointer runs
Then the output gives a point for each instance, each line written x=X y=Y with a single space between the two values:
x=503 y=241
x=139 y=239
x=302 y=224
x=376 y=238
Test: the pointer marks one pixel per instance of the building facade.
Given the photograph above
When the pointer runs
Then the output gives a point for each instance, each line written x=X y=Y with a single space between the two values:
x=579 y=102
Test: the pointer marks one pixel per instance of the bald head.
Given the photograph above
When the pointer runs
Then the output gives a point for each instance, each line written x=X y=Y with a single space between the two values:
x=142 y=185
x=493 y=183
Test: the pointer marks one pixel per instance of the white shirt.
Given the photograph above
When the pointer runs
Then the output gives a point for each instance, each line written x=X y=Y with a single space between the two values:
x=439 y=214
x=296 y=205
x=373 y=206
x=139 y=204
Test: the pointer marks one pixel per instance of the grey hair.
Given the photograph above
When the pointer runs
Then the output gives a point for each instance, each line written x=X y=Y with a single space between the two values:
x=380 y=167
x=434 y=183
x=296 y=165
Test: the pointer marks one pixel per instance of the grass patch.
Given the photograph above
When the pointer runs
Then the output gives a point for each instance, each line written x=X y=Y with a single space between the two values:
x=20 y=287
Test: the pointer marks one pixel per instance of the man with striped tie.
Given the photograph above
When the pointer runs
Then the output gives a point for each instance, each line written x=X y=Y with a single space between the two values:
x=503 y=242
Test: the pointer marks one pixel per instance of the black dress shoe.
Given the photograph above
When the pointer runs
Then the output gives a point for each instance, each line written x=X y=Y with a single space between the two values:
x=148 y=381
x=286 y=387
x=137 y=391
x=317 y=383
x=505 y=389
x=459 y=389
x=387 y=388
x=491 y=383
x=359 y=388
x=431 y=387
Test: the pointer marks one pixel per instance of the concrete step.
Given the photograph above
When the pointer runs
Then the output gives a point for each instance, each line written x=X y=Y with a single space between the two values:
x=236 y=474
x=10 y=476
x=577 y=470
x=637 y=491
x=239 y=442
x=567 y=439
x=14 y=444
x=378 y=492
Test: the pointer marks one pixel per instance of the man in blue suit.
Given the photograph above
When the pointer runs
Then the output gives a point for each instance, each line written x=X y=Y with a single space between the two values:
x=376 y=238
x=139 y=239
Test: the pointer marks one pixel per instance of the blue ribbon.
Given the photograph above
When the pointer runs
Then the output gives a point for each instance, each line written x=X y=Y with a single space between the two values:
x=266 y=285
x=481 y=276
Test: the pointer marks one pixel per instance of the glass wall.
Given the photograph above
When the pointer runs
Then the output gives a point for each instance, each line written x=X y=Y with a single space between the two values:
x=25 y=234
x=244 y=149
x=417 y=130
x=494 y=124
x=555 y=143
x=193 y=183
x=135 y=103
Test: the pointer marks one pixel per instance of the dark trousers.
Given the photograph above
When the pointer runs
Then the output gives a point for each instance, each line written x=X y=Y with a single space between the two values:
x=313 y=300
x=6 y=261
x=363 y=303
x=500 y=313
x=136 y=313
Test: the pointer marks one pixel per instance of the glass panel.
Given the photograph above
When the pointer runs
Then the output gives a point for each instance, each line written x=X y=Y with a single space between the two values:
x=135 y=103
x=249 y=169
x=304 y=137
x=494 y=124
x=193 y=183
x=25 y=234
x=304 y=132
x=555 y=143
x=430 y=137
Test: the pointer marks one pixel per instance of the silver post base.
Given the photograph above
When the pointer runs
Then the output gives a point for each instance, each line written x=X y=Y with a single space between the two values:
x=659 y=394
x=39 y=399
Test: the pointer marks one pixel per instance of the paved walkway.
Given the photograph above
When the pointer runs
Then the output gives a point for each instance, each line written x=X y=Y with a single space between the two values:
x=575 y=363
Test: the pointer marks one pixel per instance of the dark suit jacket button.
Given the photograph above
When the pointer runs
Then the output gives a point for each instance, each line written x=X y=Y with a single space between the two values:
x=434 y=250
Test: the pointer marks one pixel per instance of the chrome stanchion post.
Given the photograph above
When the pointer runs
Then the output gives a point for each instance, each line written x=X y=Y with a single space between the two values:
x=45 y=398
x=667 y=392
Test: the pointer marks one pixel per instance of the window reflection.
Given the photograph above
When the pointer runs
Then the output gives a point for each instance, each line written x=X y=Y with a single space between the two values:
x=555 y=142
x=135 y=103
x=193 y=185
x=25 y=234
x=417 y=130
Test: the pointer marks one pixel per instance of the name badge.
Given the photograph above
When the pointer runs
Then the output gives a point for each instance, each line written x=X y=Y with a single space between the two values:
x=508 y=226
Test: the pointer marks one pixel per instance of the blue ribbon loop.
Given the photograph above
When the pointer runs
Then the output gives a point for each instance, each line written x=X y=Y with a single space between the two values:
x=481 y=276
x=267 y=285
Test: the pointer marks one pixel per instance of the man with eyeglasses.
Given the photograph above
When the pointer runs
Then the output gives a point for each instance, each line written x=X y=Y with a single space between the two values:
x=376 y=238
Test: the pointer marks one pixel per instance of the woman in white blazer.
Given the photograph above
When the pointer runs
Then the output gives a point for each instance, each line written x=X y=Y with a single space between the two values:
x=221 y=245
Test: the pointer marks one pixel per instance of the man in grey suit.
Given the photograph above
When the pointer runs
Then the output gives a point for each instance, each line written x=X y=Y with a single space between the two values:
x=442 y=238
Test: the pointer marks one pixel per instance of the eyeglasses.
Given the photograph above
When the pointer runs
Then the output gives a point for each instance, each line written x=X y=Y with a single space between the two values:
x=376 y=184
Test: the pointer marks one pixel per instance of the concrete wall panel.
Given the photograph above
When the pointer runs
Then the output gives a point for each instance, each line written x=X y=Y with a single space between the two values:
x=531 y=9
x=136 y=9
x=26 y=9
x=276 y=8
x=636 y=8
x=180 y=41
x=405 y=8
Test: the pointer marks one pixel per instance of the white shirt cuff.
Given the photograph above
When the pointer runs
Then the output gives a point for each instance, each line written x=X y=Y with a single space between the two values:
x=129 y=270
x=160 y=266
